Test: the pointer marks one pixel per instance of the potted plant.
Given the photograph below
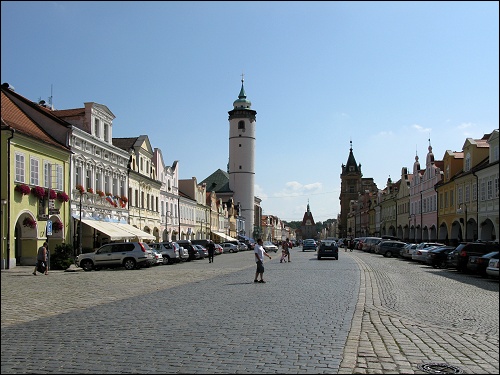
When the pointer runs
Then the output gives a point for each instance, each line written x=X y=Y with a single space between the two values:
x=57 y=226
x=80 y=188
x=90 y=190
x=29 y=222
x=51 y=194
x=101 y=193
x=38 y=192
x=62 y=196
x=23 y=189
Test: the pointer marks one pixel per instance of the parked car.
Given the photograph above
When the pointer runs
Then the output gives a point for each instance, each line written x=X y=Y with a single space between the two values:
x=420 y=252
x=368 y=245
x=269 y=246
x=229 y=247
x=309 y=244
x=242 y=246
x=157 y=256
x=465 y=250
x=129 y=255
x=389 y=248
x=407 y=250
x=492 y=269
x=183 y=253
x=478 y=264
x=169 y=251
x=202 y=251
x=218 y=249
x=328 y=249
x=452 y=259
x=438 y=257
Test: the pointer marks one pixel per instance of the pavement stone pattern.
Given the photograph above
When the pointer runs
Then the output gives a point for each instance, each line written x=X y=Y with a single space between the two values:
x=362 y=314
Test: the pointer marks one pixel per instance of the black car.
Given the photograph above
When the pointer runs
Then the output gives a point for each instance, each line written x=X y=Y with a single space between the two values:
x=438 y=257
x=328 y=249
x=465 y=250
x=477 y=264
x=389 y=248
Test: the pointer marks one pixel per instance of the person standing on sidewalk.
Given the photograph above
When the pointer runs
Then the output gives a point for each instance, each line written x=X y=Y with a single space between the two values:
x=259 y=259
x=41 y=258
x=211 y=251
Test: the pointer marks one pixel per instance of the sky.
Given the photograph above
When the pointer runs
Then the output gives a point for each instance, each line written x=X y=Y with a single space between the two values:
x=390 y=77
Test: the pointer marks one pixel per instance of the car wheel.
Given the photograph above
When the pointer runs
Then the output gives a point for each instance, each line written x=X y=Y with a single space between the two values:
x=166 y=260
x=388 y=254
x=87 y=265
x=129 y=264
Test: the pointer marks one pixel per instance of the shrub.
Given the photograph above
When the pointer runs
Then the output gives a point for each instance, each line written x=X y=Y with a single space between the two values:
x=61 y=257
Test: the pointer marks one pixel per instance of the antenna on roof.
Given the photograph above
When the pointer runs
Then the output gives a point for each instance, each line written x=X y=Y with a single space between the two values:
x=50 y=98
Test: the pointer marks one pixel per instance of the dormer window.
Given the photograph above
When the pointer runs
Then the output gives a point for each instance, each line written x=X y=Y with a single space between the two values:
x=467 y=163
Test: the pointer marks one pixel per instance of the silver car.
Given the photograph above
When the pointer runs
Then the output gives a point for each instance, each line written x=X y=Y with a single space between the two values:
x=169 y=250
x=129 y=255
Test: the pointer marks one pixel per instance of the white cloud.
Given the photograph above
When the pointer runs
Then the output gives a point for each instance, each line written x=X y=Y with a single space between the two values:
x=421 y=129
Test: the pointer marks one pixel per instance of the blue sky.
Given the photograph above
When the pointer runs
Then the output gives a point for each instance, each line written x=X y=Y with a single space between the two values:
x=385 y=75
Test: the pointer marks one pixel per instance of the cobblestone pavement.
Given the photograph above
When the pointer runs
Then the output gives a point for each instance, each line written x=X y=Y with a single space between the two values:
x=361 y=314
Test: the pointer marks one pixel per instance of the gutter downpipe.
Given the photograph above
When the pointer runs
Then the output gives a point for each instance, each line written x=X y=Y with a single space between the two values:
x=7 y=260
x=477 y=206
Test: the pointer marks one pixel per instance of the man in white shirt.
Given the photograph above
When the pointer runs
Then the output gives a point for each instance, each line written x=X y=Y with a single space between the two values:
x=259 y=259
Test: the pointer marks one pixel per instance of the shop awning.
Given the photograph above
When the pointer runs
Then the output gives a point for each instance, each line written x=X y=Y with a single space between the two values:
x=224 y=236
x=114 y=233
x=131 y=230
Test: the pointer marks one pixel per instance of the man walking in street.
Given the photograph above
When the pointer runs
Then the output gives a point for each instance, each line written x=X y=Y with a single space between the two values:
x=259 y=259
x=211 y=251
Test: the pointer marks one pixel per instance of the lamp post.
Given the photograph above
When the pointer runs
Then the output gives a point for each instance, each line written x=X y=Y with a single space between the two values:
x=3 y=204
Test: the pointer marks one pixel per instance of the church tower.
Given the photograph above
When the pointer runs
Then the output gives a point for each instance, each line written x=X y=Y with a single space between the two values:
x=241 y=166
x=350 y=187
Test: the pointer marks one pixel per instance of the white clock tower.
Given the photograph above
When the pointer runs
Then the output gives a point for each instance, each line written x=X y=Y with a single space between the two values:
x=241 y=166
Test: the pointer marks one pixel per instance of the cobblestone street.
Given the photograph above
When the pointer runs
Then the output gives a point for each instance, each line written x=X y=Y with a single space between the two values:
x=360 y=314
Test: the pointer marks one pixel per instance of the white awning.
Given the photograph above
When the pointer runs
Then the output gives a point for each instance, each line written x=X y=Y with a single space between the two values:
x=224 y=236
x=135 y=232
x=114 y=233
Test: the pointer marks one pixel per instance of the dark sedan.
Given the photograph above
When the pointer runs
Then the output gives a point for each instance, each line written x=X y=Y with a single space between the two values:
x=438 y=257
x=309 y=244
x=478 y=264
x=328 y=249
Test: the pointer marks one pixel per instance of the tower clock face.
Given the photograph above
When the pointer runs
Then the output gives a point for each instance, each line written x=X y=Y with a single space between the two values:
x=308 y=222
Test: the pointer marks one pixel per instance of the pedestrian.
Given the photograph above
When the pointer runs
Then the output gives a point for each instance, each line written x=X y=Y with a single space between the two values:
x=41 y=260
x=211 y=251
x=285 y=250
x=259 y=259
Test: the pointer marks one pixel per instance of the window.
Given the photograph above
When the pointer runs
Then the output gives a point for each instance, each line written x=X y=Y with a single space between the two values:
x=467 y=193
x=467 y=163
x=489 y=189
x=34 y=171
x=19 y=167
x=496 y=186
x=483 y=191
x=241 y=125
x=96 y=128
x=106 y=132
x=88 y=178
x=47 y=175
x=78 y=175
x=459 y=195
x=59 y=177
x=474 y=192
x=98 y=181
